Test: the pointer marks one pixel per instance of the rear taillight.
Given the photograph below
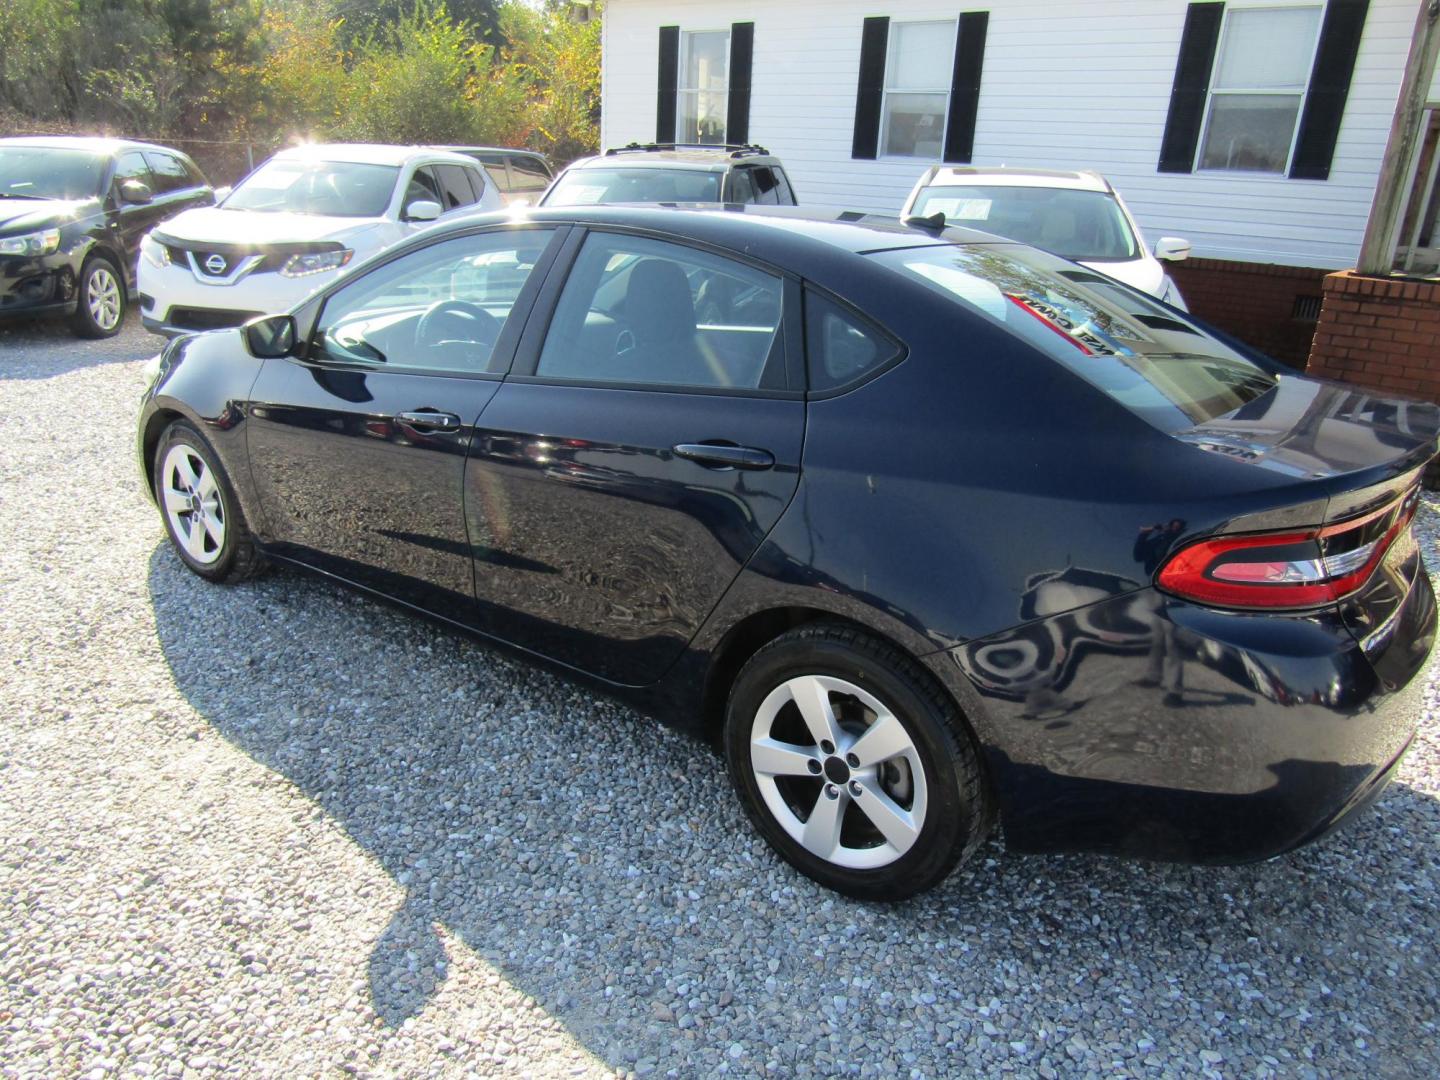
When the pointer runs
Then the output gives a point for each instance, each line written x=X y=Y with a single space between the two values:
x=1293 y=569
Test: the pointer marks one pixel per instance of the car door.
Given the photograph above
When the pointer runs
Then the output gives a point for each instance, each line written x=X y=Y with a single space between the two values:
x=646 y=441
x=129 y=221
x=357 y=449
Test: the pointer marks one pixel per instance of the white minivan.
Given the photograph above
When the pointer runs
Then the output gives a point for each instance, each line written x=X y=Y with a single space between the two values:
x=293 y=224
x=1076 y=215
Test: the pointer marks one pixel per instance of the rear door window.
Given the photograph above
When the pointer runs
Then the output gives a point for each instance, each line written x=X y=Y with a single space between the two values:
x=528 y=174
x=766 y=189
x=646 y=312
x=784 y=195
x=742 y=186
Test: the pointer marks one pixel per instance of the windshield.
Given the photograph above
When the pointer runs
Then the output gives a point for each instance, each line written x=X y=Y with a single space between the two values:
x=331 y=188
x=1143 y=355
x=580 y=187
x=42 y=172
x=1079 y=225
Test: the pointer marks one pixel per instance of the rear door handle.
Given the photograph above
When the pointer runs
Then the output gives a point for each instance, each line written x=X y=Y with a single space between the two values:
x=723 y=456
x=429 y=420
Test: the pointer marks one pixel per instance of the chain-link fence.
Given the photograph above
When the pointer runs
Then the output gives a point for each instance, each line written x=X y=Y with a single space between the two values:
x=223 y=161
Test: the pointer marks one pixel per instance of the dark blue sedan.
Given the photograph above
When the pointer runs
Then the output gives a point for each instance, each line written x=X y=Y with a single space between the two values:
x=928 y=530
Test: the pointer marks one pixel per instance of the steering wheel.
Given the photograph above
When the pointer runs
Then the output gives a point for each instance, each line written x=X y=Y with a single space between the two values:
x=456 y=322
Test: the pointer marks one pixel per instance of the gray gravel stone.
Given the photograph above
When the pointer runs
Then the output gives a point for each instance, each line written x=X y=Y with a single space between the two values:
x=281 y=830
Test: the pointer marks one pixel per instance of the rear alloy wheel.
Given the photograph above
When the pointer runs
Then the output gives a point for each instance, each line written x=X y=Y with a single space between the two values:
x=202 y=516
x=100 y=306
x=853 y=764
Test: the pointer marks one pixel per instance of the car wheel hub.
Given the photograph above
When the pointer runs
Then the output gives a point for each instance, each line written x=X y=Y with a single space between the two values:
x=191 y=498
x=838 y=771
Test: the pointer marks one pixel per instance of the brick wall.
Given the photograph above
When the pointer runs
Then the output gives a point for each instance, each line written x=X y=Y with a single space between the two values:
x=1381 y=333
x=1255 y=302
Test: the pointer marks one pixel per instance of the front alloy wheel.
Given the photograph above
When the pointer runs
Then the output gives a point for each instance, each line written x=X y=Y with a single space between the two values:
x=100 y=306
x=192 y=503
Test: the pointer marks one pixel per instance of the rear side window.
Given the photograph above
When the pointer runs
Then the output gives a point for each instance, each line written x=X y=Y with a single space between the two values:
x=766 y=189
x=784 y=194
x=841 y=347
x=1145 y=356
x=742 y=187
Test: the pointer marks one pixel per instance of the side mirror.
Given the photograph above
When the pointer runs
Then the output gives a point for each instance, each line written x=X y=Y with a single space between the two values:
x=1172 y=248
x=270 y=336
x=135 y=192
x=422 y=210
x=222 y=193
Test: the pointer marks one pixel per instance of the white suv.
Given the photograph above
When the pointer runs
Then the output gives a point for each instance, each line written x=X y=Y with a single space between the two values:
x=1076 y=215
x=293 y=224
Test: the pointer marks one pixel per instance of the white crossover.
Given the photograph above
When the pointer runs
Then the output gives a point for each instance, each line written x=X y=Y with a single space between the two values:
x=293 y=224
x=1076 y=215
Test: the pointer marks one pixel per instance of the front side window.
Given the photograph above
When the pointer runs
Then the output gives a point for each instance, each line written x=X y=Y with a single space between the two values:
x=917 y=89
x=331 y=188
x=638 y=311
x=169 y=172
x=1080 y=225
x=455 y=186
x=583 y=187
x=1257 y=88
x=36 y=172
x=438 y=309
x=703 y=94
x=132 y=166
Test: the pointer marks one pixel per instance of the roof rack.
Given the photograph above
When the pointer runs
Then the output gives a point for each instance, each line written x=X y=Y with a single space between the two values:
x=735 y=150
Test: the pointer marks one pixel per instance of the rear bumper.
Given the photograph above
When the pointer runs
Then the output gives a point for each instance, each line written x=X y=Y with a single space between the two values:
x=1151 y=728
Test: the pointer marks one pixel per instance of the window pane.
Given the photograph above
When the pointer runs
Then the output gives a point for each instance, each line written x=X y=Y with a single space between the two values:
x=132 y=167
x=742 y=187
x=583 y=187
x=920 y=56
x=1268 y=48
x=705 y=63
x=440 y=308
x=701 y=116
x=1250 y=131
x=839 y=346
x=168 y=171
x=647 y=312
x=914 y=125
x=455 y=186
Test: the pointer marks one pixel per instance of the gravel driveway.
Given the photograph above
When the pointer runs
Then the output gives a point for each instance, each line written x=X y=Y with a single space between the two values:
x=281 y=830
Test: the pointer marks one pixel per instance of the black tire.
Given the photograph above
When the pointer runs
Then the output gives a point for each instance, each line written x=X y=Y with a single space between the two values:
x=99 y=277
x=959 y=809
x=235 y=558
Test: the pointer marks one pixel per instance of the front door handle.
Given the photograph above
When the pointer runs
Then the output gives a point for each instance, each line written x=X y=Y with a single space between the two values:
x=725 y=456
x=429 y=420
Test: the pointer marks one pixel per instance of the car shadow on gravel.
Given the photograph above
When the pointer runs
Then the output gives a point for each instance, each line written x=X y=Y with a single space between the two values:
x=602 y=865
x=44 y=348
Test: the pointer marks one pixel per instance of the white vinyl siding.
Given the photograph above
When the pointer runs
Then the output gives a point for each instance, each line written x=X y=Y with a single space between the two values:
x=1085 y=85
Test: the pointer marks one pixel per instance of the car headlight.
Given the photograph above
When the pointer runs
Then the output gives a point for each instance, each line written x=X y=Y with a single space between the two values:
x=155 y=253
x=315 y=262
x=36 y=243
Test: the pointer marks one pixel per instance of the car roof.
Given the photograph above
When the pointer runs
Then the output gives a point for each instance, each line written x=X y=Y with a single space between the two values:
x=95 y=144
x=776 y=234
x=494 y=150
x=677 y=156
x=369 y=153
x=1005 y=176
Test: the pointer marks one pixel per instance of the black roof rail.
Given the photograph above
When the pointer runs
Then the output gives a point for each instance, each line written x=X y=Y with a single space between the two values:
x=734 y=149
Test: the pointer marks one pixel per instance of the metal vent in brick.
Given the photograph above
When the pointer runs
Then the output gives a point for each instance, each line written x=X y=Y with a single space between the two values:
x=1306 y=308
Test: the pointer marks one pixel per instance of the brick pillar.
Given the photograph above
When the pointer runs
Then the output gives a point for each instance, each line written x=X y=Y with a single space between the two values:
x=1380 y=333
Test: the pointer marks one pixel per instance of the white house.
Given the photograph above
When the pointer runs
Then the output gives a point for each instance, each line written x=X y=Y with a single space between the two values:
x=1254 y=128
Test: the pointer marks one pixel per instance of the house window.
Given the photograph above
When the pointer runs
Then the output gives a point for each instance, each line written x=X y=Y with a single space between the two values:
x=1258 y=87
x=703 y=90
x=918 y=70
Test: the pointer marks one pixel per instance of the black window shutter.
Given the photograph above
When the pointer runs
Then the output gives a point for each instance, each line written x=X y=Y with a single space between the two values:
x=742 y=53
x=965 y=86
x=669 y=83
x=1191 y=87
x=874 y=40
x=1329 y=87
